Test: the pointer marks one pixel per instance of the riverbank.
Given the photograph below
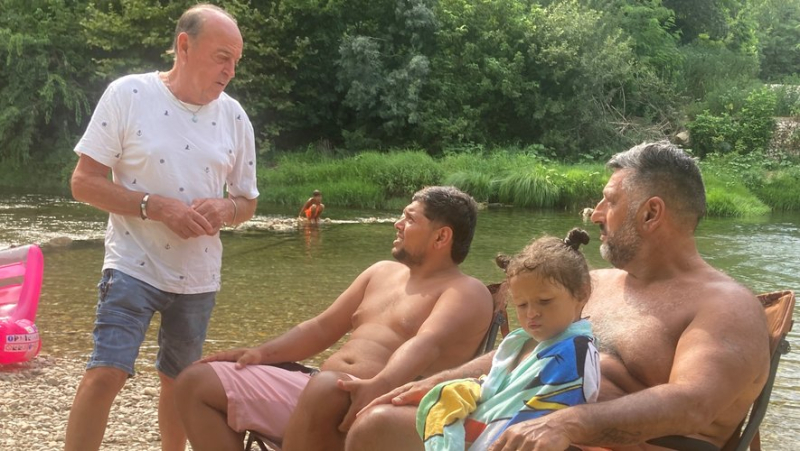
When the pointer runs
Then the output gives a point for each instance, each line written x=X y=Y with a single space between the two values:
x=751 y=185
x=37 y=396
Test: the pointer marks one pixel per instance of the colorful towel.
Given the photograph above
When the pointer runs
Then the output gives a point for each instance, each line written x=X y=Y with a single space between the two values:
x=561 y=372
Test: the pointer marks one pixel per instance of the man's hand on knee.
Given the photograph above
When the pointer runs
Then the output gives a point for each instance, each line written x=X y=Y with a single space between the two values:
x=535 y=435
x=362 y=392
x=409 y=394
x=242 y=357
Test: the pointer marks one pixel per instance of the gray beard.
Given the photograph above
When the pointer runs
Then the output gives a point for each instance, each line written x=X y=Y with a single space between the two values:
x=620 y=249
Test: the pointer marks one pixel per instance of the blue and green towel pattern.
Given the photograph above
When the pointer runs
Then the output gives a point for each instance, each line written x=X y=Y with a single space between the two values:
x=561 y=372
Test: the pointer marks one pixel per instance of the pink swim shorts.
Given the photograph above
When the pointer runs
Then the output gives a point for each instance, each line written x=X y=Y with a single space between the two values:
x=260 y=397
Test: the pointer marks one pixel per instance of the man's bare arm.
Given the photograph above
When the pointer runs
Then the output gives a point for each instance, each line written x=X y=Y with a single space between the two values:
x=459 y=311
x=412 y=392
x=90 y=184
x=463 y=308
x=246 y=208
x=309 y=337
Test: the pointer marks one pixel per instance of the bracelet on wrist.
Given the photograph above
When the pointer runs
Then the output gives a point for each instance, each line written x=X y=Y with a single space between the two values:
x=143 y=206
x=233 y=220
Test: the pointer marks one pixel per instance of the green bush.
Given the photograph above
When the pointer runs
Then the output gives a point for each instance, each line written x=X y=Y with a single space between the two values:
x=787 y=99
x=513 y=176
x=44 y=100
x=712 y=133
x=710 y=67
x=741 y=129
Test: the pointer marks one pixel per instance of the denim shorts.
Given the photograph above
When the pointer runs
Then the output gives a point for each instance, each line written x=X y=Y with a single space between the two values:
x=124 y=309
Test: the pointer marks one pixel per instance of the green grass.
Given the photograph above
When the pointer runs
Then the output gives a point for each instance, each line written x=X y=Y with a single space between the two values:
x=780 y=190
x=524 y=180
x=736 y=185
x=529 y=187
x=582 y=185
x=343 y=193
x=511 y=176
x=479 y=185
x=728 y=197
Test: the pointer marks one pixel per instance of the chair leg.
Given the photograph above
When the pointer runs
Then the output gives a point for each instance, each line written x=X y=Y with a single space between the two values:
x=263 y=443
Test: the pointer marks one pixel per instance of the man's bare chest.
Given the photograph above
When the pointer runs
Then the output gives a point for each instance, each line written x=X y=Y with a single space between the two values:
x=396 y=307
x=642 y=340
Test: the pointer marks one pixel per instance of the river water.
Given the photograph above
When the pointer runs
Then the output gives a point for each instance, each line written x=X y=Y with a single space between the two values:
x=277 y=273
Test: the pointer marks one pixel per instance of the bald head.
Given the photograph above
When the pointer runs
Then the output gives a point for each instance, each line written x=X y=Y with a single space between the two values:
x=193 y=19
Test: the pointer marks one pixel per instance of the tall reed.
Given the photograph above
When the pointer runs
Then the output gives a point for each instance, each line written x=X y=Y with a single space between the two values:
x=521 y=178
x=529 y=187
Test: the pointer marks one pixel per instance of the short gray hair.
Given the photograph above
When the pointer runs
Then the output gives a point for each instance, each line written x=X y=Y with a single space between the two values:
x=663 y=169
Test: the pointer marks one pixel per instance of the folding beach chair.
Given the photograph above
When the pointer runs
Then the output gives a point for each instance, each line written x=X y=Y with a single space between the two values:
x=779 y=307
x=499 y=323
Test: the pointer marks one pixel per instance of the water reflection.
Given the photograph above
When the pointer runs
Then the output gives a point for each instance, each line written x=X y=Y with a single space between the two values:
x=278 y=272
x=312 y=237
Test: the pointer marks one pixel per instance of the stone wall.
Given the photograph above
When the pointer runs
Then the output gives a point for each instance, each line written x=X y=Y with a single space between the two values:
x=786 y=137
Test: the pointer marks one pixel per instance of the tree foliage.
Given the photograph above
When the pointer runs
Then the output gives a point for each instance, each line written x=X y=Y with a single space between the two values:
x=43 y=78
x=577 y=76
x=778 y=37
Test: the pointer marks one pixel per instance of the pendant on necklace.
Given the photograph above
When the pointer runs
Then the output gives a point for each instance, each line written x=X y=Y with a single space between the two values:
x=194 y=118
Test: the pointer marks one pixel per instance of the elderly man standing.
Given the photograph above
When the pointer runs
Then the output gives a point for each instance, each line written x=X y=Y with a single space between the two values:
x=683 y=347
x=174 y=143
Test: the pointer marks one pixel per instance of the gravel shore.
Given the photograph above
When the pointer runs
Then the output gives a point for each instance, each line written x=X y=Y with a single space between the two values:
x=37 y=396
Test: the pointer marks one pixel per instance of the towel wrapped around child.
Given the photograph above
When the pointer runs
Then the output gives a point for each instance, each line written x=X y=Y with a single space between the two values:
x=560 y=372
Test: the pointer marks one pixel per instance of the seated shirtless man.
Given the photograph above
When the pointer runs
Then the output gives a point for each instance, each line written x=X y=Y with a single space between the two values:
x=410 y=318
x=683 y=347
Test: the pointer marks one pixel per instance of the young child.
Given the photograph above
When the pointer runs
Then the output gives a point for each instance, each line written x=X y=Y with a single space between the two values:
x=548 y=364
x=313 y=207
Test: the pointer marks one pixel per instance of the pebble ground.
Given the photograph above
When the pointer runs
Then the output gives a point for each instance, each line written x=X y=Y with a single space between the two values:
x=35 y=398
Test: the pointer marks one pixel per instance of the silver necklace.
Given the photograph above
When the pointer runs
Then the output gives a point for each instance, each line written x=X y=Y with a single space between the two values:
x=183 y=104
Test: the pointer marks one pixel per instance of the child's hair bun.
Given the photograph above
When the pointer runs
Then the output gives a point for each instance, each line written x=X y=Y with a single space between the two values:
x=502 y=261
x=576 y=237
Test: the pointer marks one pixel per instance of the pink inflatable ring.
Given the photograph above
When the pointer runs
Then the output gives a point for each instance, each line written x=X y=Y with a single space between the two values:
x=21 y=270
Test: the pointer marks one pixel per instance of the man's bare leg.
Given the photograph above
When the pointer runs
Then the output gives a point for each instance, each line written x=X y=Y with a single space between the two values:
x=88 y=416
x=387 y=428
x=203 y=408
x=314 y=424
x=173 y=437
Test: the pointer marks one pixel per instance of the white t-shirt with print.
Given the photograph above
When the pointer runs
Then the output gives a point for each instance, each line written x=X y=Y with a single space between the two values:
x=152 y=145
